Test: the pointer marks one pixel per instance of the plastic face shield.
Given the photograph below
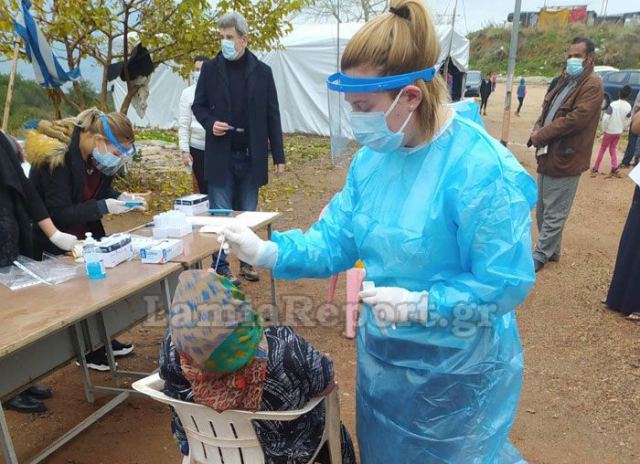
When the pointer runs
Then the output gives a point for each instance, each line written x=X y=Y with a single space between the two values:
x=344 y=90
x=125 y=153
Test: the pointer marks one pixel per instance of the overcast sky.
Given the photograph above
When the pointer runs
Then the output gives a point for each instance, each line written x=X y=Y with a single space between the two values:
x=472 y=15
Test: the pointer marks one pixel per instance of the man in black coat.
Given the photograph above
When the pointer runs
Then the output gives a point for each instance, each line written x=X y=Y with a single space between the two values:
x=237 y=104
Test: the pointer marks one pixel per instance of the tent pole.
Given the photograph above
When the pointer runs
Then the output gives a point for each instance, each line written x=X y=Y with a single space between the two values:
x=338 y=38
x=453 y=31
x=338 y=65
x=513 y=51
x=12 y=77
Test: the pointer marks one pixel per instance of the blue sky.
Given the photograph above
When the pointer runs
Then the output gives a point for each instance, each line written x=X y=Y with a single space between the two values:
x=472 y=15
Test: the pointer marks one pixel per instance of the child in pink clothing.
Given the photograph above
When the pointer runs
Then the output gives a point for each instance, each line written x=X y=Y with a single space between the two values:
x=616 y=119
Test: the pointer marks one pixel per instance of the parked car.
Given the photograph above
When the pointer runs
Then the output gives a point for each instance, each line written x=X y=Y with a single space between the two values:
x=615 y=80
x=604 y=70
x=472 y=85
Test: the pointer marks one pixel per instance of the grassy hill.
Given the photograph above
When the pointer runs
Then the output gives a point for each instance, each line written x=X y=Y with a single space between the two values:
x=541 y=52
x=30 y=101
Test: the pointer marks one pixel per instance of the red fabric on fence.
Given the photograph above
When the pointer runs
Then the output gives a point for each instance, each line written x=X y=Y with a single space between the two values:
x=578 y=15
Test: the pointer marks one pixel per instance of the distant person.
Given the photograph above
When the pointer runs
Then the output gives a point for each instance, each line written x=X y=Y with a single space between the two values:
x=485 y=93
x=563 y=137
x=624 y=291
x=191 y=134
x=632 y=152
x=494 y=82
x=522 y=92
x=237 y=103
x=615 y=122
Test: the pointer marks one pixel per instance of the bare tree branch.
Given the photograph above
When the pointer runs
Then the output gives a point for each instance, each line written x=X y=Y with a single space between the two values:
x=349 y=11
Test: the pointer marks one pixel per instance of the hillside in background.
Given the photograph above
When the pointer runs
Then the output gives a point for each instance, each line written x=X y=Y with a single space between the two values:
x=30 y=101
x=542 y=52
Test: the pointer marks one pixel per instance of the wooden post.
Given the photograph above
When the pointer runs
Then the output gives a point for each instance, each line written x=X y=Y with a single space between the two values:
x=12 y=77
x=513 y=52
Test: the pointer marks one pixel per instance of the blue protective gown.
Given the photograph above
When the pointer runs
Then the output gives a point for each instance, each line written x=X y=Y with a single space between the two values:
x=470 y=110
x=452 y=218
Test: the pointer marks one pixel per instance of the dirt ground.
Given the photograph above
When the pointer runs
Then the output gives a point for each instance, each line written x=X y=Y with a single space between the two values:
x=581 y=396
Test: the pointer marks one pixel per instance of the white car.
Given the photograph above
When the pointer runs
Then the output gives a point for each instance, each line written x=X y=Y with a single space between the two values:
x=602 y=70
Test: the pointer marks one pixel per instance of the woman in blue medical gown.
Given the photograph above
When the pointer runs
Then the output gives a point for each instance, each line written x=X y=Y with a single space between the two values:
x=439 y=213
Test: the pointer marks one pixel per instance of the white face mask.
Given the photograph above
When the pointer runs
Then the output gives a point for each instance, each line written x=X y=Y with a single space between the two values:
x=372 y=129
x=107 y=162
x=229 y=49
x=194 y=76
x=575 y=66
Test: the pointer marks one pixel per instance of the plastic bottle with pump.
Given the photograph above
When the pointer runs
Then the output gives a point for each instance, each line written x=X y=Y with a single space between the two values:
x=93 y=263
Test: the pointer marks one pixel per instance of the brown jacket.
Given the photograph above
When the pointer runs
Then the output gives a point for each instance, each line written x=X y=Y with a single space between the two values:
x=569 y=137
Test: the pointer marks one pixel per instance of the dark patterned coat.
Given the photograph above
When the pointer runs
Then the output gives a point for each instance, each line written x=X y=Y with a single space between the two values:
x=296 y=373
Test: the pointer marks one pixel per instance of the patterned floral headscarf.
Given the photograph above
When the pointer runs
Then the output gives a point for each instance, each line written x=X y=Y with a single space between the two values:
x=220 y=340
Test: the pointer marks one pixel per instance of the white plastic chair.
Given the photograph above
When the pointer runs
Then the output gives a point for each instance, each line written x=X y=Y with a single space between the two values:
x=229 y=437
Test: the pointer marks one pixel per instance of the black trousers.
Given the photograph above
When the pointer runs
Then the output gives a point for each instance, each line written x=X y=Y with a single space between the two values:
x=198 y=169
x=484 y=99
x=521 y=100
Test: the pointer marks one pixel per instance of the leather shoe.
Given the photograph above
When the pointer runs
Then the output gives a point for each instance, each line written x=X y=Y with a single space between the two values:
x=25 y=404
x=538 y=265
x=39 y=392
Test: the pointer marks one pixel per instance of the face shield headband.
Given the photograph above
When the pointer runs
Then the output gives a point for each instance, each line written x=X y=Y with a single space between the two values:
x=344 y=142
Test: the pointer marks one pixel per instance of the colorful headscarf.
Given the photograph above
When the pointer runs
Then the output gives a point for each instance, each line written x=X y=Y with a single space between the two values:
x=212 y=324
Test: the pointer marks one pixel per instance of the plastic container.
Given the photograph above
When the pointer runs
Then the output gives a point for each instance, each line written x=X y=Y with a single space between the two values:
x=93 y=261
x=172 y=224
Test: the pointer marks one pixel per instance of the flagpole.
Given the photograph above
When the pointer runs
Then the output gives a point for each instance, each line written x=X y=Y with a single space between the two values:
x=12 y=77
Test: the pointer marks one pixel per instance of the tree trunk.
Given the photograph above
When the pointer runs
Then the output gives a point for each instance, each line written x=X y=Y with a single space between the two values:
x=65 y=97
x=72 y=64
x=77 y=88
x=55 y=102
x=104 y=106
x=104 y=90
x=131 y=92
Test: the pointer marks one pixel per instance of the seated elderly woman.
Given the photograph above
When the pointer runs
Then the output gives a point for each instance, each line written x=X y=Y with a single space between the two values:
x=217 y=352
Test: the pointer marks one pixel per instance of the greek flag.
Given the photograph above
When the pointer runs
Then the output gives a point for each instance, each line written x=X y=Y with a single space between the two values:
x=48 y=71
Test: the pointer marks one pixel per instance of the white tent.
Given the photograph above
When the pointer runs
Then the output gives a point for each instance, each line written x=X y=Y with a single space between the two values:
x=309 y=55
x=300 y=67
x=165 y=88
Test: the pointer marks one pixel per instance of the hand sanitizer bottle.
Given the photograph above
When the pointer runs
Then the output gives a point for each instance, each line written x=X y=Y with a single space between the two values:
x=93 y=263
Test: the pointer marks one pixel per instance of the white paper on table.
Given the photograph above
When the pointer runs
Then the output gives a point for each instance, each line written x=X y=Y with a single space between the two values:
x=213 y=229
x=250 y=219
x=214 y=224
x=253 y=218
x=634 y=175
x=210 y=220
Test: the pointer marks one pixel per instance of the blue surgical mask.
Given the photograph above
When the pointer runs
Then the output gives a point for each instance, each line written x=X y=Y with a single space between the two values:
x=371 y=129
x=194 y=76
x=575 y=66
x=106 y=162
x=229 y=49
